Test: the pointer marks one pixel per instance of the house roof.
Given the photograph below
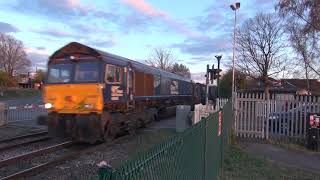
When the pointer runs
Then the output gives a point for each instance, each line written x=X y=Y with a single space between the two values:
x=275 y=86
x=285 y=86
x=302 y=84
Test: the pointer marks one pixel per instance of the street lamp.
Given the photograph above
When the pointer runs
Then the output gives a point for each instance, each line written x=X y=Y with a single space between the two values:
x=234 y=7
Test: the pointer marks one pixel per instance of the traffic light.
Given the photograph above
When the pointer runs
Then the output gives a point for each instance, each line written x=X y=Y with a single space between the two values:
x=216 y=73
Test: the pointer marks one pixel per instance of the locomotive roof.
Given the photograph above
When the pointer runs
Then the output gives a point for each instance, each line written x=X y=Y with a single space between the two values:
x=75 y=48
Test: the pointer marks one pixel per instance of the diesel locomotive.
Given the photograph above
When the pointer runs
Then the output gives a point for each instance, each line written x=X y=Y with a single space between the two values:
x=91 y=95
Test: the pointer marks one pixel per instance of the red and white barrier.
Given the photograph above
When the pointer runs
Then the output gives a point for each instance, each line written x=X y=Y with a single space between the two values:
x=27 y=106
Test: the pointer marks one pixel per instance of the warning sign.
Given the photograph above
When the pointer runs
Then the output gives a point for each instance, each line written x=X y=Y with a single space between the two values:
x=220 y=123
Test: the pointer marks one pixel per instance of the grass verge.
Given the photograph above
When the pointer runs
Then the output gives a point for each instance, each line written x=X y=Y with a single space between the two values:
x=142 y=142
x=239 y=165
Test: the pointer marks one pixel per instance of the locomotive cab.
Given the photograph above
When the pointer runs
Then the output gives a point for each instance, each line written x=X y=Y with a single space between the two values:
x=74 y=87
x=79 y=90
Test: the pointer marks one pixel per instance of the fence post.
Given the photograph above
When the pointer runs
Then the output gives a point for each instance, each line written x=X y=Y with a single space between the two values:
x=267 y=118
x=105 y=171
x=205 y=148
x=235 y=114
x=221 y=128
x=3 y=119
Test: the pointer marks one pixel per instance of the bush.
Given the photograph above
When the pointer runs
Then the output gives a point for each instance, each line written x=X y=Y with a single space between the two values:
x=6 y=81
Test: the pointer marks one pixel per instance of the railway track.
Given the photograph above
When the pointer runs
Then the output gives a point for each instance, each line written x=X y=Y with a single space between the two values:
x=9 y=143
x=40 y=167
x=34 y=154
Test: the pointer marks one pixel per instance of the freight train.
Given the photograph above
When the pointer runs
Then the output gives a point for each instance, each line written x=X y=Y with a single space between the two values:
x=91 y=95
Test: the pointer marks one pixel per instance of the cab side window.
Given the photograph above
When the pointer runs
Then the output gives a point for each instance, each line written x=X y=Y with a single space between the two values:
x=113 y=74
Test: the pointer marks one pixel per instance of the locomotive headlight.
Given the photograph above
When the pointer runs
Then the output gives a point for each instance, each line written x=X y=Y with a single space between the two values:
x=48 y=106
x=88 y=106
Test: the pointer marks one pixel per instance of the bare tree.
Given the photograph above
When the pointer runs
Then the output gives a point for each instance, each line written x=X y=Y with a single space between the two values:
x=302 y=45
x=12 y=55
x=306 y=11
x=161 y=58
x=302 y=19
x=259 y=47
x=181 y=70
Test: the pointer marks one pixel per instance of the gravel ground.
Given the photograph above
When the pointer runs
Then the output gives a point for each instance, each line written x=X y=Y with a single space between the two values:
x=27 y=148
x=85 y=167
x=13 y=130
x=25 y=164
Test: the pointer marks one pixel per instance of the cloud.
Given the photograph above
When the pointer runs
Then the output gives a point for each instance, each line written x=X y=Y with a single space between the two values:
x=38 y=57
x=213 y=19
x=145 y=8
x=205 y=46
x=87 y=28
x=198 y=77
x=62 y=9
x=40 y=51
x=7 y=28
x=58 y=33
x=102 y=43
x=136 y=23
x=41 y=48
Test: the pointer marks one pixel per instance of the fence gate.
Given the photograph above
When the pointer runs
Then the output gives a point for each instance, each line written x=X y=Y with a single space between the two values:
x=281 y=116
x=250 y=115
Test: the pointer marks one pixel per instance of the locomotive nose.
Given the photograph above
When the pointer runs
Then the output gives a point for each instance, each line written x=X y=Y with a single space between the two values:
x=70 y=98
x=75 y=98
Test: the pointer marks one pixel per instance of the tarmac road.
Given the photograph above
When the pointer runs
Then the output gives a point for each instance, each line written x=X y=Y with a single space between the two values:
x=305 y=160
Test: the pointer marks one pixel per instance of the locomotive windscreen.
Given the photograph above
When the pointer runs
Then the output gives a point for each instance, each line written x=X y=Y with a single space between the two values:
x=60 y=73
x=86 y=72
x=73 y=72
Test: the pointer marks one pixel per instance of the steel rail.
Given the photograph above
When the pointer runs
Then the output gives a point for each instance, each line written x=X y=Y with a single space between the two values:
x=23 y=136
x=2 y=148
x=71 y=156
x=42 y=167
x=29 y=155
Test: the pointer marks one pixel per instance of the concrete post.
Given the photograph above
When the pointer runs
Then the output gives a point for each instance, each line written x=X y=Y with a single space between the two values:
x=182 y=113
x=3 y=120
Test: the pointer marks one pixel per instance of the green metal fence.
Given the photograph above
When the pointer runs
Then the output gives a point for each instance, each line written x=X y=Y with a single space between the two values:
x=195 y=154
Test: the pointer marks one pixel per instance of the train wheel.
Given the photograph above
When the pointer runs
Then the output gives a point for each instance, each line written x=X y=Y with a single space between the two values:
x=111 y=132
x=153 y=114
x=132 y=128
x=54 y=128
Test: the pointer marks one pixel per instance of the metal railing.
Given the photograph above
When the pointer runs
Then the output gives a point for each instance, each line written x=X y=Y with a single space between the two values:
x=197 y=153
x=24 y=112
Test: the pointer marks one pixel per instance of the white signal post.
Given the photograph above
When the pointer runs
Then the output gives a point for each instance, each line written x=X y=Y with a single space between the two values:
x=234 y=7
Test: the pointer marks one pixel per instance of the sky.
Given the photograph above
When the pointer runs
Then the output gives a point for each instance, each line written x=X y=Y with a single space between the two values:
x=194 y=31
